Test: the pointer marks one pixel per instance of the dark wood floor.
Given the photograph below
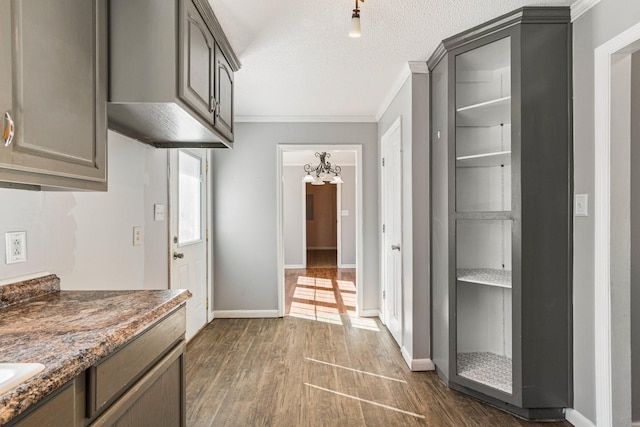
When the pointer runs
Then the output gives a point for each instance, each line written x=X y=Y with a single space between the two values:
x=299 y=372
x=322 y=258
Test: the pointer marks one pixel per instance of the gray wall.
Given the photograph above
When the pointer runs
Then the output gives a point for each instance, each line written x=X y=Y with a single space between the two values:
x=86 y=238
x=244 y=197
x=292 y=202
x=412 y=105
x=598 y=25
x=635 y=237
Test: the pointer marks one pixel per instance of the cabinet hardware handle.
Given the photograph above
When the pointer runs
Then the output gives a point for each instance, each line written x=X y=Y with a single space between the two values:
x=395 y=247
x=177 y=255
x=212 y=104
x=9 y=129
x=218 y=107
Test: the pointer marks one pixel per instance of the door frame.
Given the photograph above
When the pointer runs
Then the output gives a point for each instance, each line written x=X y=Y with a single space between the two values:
x=602 y=212
x=208 y=221
x=280 y=150
x=395 y=126
x=338 y=226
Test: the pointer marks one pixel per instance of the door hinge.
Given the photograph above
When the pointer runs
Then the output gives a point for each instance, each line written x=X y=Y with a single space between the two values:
x=207 y=303
x=206 y=235
x=206 y=166
x=383 y=161
x=384 y=228
x=384 y=294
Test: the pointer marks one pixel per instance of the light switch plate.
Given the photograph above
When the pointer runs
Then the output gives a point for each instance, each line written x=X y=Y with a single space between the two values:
x=581 y=207
x=16 y=246
x=158 y=212
x=344 y=213
x=137 y=236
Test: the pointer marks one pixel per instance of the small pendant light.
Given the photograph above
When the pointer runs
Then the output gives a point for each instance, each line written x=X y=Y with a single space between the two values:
x=354 y=28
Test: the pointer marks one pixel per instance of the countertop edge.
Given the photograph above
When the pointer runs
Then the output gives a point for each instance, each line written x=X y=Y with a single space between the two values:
x=16 y=401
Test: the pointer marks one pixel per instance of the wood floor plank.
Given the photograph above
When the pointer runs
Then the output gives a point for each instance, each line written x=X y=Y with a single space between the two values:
x=299 y=372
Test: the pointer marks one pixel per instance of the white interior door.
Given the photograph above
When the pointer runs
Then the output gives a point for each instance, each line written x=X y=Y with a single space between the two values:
x=188 y=256
x=392 y=235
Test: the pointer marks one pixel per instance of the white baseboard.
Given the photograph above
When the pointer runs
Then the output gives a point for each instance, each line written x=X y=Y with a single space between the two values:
x=577 y=419
x=417 y=364
x=245 y=314
x=369 y=313
x=347 y=266
x=294 y=266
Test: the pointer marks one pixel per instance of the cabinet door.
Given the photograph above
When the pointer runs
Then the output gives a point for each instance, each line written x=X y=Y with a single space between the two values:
x=197 y=68
x=53 y=85
x=224 y=95
x=157 y=399
x=56 y=411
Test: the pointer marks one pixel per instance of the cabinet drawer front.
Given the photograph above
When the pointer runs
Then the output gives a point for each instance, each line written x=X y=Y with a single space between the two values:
x=57 y=411
x=109 y=378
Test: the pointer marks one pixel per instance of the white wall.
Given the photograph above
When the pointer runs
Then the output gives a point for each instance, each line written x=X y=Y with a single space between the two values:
x=601 y=23
x=348 y=223
x=244 y=197
x=412 y=105
x=86 y=238
x=635 y=237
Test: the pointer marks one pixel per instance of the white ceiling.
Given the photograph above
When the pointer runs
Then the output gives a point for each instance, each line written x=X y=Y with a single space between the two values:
x=298 y=63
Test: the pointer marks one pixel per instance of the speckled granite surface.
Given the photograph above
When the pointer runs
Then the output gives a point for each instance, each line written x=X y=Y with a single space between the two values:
x=69 y=331
x=22 y=291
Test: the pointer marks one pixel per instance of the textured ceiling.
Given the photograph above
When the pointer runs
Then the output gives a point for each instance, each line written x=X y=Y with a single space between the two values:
x=298 y=61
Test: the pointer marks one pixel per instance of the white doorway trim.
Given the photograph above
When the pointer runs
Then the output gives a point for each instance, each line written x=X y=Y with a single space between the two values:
x=602 y=208
x=281 y=149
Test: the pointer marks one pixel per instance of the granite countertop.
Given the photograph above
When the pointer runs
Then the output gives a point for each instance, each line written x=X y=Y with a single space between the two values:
x=69 y=331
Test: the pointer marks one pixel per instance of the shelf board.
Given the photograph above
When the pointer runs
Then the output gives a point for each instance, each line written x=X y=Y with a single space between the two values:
x=490 y=113
x=490 y=369
x=499 y=158
x=485 y=276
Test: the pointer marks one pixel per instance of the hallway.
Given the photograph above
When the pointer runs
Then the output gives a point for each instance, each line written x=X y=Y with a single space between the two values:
x=299 y=372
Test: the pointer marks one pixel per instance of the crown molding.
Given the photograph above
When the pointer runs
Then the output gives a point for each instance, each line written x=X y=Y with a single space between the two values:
x=418 y=67
x=305 y=119
x=580 y=7
x=395 y=88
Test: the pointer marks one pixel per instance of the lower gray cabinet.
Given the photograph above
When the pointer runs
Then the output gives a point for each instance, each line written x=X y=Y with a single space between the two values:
x=53 y=86
x=58 y=410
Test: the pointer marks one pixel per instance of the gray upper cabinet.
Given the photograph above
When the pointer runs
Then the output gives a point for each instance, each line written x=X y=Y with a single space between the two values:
x=53 y=87
x=197 y=71
x=501 y=193
x=162 y=80
x=224 y=95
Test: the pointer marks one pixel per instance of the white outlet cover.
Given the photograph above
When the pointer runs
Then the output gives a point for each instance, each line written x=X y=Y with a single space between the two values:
x=137 y=236
x=16 y=246
x=158 y=212
x=581 y=207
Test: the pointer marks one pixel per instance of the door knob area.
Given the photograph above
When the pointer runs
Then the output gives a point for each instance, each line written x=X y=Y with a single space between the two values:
x=177 y=255
x=395 y=247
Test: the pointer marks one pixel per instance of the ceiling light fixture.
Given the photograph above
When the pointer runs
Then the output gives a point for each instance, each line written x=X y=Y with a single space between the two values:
x=322 y=173
x=354 y=29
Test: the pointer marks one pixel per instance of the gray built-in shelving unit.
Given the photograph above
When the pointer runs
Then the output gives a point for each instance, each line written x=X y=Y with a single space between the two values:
x=501 y=211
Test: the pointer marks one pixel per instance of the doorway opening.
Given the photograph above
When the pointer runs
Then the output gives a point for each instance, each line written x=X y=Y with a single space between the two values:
x=321 y=213
x=617 y=227
x=331 y=290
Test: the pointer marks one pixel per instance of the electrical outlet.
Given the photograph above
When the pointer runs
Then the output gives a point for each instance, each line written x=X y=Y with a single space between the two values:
x=16 y=246
x=158 y=212
x=137 y=236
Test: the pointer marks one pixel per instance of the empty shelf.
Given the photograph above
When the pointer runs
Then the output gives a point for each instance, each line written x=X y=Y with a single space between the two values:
x=490 y=113
x=485 y=276
x=493 y=370
x=498 y=158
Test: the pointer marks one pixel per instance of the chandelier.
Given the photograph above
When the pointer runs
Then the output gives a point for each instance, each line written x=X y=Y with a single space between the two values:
x=322 y=173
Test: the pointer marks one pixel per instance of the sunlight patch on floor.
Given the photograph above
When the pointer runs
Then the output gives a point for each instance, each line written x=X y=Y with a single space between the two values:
x=413 y=414
x=355 y=370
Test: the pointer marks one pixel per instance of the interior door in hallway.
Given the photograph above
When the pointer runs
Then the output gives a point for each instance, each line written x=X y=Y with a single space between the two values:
x=187 y=199
x=392 y=231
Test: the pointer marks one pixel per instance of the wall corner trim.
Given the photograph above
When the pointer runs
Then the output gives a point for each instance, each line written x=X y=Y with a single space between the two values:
x=418 y=67
x=577 y=419
x=580 y=7
x=417 y=365
x=245 y=314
